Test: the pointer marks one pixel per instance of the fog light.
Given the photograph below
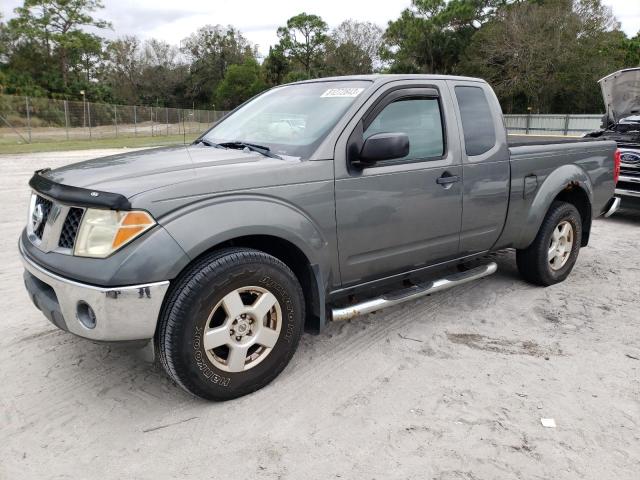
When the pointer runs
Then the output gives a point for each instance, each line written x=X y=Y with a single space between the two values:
x=86 y=315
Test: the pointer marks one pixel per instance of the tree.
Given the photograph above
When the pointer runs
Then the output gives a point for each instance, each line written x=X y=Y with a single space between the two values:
x=123 y=69
x=55 y=27
x=353 y=48
x=548 y=56
x=276 y=66
x=148 y=73
x=303 y=40
x=431 y=35
x=240 y=83
x=211 y=50
x=4 y=41
x=632 y=49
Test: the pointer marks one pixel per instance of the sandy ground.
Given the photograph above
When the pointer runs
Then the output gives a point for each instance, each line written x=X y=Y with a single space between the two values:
x=452 y=387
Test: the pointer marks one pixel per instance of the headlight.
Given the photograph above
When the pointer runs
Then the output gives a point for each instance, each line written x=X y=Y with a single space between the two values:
x=102 y=232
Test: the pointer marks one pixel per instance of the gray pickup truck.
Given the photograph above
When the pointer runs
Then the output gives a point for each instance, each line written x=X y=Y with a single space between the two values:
x=315 y=201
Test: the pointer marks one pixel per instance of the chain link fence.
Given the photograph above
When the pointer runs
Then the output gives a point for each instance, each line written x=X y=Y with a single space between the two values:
x=566 y=125
x=31 y=119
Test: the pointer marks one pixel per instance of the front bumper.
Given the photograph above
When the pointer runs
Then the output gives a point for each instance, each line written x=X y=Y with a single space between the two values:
x=628 y=189
x=119 y=313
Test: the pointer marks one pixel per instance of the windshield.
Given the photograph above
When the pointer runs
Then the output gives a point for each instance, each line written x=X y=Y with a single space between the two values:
x=290 y=120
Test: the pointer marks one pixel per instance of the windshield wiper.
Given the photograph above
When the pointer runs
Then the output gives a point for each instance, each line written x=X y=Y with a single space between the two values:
x=208 y=143
x=266 y=151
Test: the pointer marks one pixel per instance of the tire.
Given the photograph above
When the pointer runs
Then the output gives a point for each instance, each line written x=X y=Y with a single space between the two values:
x=231 y=285
x=534 y=262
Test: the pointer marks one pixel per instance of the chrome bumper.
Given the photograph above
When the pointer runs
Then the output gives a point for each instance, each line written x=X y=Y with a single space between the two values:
x=119 y=313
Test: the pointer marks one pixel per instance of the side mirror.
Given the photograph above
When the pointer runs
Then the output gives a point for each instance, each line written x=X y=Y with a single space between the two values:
x=384 y=146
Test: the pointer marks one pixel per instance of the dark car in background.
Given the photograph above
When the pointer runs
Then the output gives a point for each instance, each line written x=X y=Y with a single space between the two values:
x=621 y=93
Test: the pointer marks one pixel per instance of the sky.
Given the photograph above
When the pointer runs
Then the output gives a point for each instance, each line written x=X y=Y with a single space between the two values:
x=172 y=21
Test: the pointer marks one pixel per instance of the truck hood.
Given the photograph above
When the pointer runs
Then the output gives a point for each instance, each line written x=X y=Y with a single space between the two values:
x=132 y=173
x=621 y=94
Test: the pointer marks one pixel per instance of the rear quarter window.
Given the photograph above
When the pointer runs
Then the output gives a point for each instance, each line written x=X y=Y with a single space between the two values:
x=477 y=120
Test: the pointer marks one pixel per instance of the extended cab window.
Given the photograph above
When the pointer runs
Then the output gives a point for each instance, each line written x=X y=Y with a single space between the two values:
x=477 y=120
x=420 y=119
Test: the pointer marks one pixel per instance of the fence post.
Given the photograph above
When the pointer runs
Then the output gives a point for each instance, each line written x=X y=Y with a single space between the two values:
x=151 y=117
x=528 y=122
x=89 y=118
x=566 y=125
x=166 y=114
x=115 y=118
x=66 y=118
x=135 y=122
x=26 y=99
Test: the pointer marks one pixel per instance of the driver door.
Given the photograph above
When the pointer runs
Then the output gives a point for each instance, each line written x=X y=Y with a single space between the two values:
x=400 y=214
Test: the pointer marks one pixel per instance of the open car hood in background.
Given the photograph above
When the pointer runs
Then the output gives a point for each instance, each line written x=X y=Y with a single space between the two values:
x=621 y=93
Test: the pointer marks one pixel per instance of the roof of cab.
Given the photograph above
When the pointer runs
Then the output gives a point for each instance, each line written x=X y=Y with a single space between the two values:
x=387 y=77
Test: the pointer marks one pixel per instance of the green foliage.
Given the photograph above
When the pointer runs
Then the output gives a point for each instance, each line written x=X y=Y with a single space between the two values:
x=211 y=50
x=240 y=83
x=303 y=40
x=431 y=35
x=296 y=76
x=542 y=54
x=547 y=57
x=632 y=51
x=47 y=40
x=148 y=73
x=276 y=66
x=353 y=48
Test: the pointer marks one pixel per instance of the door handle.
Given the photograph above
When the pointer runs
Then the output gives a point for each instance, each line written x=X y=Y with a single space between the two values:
x=447 y=179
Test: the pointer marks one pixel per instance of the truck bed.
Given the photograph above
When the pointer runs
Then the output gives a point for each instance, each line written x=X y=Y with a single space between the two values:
x=522 y=140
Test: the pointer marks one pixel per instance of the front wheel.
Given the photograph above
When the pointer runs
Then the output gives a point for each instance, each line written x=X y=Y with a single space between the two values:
x=231 y=324
x=553 y=253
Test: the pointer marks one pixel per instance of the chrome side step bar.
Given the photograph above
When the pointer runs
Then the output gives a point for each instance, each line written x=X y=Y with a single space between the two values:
x=412 y=293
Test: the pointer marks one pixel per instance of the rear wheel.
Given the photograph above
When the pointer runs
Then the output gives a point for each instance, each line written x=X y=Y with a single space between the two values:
x=231 y=324
x=553 y=253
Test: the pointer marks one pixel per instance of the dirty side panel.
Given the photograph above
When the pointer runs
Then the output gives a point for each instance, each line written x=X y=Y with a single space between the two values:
x=540 y=172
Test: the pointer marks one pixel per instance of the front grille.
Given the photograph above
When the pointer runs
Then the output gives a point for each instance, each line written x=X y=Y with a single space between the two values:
x=630 y=158
x=53 y=226
x=634 y=187
x=70 y=228
x=632 y=172
x=46 y=205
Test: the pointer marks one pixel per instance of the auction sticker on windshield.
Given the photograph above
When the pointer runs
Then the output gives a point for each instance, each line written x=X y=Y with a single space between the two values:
x=342 y=92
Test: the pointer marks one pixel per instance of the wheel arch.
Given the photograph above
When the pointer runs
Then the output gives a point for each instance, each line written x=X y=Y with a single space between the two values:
x=268 y=224
x=570 y=184
x=577 y=196
x=309 y=275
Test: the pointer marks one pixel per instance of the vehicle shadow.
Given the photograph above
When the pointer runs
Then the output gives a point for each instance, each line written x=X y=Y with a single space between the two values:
x=625 y=215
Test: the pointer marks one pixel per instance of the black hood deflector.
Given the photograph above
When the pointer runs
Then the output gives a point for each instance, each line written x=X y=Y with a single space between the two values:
x=76 y=196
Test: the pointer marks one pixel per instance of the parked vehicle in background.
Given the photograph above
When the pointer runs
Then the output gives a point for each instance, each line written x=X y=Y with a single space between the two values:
x=621 y=93
x=315 y=201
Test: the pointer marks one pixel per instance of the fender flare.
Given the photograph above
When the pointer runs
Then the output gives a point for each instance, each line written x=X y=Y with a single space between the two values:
x=566 y=176
x=223 y=218
x=201 y=226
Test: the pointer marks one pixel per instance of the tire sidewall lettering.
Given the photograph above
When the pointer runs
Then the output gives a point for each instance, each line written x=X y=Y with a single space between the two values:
x=289 y=311
x=203 y=364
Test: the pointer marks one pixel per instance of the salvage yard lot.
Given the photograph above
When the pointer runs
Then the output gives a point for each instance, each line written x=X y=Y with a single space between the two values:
x=450 y=387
